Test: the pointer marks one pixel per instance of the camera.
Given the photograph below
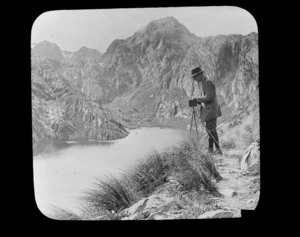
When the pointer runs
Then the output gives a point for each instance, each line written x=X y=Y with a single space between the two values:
x=192 y=103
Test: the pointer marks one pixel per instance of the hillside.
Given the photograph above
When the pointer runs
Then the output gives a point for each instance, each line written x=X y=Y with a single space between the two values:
x=151 y=73
x=61 y=112
x=182 y=183
x=145 y=78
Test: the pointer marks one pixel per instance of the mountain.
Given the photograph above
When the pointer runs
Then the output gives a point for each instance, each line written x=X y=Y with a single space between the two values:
x=146 y=77
x=48 y=50
x=80 y=67
x=151 y=70
x=82 y=54
x=61 y=112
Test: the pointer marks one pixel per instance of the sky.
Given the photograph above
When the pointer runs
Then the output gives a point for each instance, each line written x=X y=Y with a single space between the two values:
x=72 y=29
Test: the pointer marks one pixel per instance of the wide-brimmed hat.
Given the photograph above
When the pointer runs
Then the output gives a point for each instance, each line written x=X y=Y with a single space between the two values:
x=196 y=71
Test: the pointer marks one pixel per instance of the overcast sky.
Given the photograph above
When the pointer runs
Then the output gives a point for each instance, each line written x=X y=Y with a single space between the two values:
x=72 y=29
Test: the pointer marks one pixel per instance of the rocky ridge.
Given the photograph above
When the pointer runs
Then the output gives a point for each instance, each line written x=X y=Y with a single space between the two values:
x=150 y=72
x=237 y=192
x=145 y=79
x=79 y=57
x=61 y=112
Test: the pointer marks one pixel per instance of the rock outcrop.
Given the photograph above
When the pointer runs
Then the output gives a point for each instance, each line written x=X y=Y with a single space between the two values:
x=61 y=112
x=218 y=214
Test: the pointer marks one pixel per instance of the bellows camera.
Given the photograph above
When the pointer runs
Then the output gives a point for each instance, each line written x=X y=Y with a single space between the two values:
x=192 y=103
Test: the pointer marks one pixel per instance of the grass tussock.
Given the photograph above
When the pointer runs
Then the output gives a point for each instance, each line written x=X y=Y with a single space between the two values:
x=206 y=164
x=184 y=170
x=148 y=174
x=184 y=163
x=228 y=144
x=109 y=194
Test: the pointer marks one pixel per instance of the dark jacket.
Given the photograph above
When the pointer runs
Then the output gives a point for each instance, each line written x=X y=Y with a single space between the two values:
x=210 y=108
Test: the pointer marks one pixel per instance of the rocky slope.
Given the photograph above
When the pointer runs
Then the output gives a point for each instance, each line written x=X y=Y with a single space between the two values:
x=79 y=57
x=151 y=71
x=81 y=68
x=145 y=79
x=237 y=193
x=61 y=112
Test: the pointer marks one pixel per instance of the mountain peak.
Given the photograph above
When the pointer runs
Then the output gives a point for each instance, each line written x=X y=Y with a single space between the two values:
x=167 y=20
x=167 y=25
x=84 y=53
x=47 y=49
x=83 y=48
x=87 y=50
x=46 y=43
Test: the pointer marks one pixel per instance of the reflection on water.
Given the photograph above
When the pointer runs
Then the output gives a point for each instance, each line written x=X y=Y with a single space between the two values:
x=63 y=171
x=46 y=149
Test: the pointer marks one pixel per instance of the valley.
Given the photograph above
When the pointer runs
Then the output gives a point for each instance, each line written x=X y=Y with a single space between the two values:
x=85 y=102
x=144 y=80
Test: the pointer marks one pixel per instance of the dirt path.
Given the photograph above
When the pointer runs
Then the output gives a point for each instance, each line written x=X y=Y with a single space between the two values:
x=241 y=191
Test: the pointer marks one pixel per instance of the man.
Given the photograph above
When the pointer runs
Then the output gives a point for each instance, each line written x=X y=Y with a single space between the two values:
x=209 y=108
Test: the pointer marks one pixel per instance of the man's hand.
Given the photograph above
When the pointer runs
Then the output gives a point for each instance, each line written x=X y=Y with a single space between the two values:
x=198 y=100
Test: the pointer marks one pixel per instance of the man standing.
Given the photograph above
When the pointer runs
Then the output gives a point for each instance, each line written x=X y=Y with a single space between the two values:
x=210 y=109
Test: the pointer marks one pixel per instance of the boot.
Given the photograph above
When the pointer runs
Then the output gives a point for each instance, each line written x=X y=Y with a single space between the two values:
x=210 y=150
x=218 y=152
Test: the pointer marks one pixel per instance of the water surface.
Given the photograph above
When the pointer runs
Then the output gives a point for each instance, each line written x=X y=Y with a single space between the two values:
x=63 y=171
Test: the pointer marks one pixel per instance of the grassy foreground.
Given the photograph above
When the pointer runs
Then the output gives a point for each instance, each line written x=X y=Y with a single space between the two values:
x=184 y=163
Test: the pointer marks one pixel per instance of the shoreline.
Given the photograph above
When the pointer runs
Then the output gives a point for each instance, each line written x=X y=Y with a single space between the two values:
x=186 y=192
x=175 y=172
x=95 y=140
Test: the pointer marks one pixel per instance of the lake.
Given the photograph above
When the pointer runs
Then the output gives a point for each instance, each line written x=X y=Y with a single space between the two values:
x=63 y=171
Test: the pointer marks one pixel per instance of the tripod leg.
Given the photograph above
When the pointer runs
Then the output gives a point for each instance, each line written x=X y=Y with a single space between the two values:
x=196 y=125
x=191 y=125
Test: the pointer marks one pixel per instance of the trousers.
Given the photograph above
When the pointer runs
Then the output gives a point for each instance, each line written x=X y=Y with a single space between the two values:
x=211 y=129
